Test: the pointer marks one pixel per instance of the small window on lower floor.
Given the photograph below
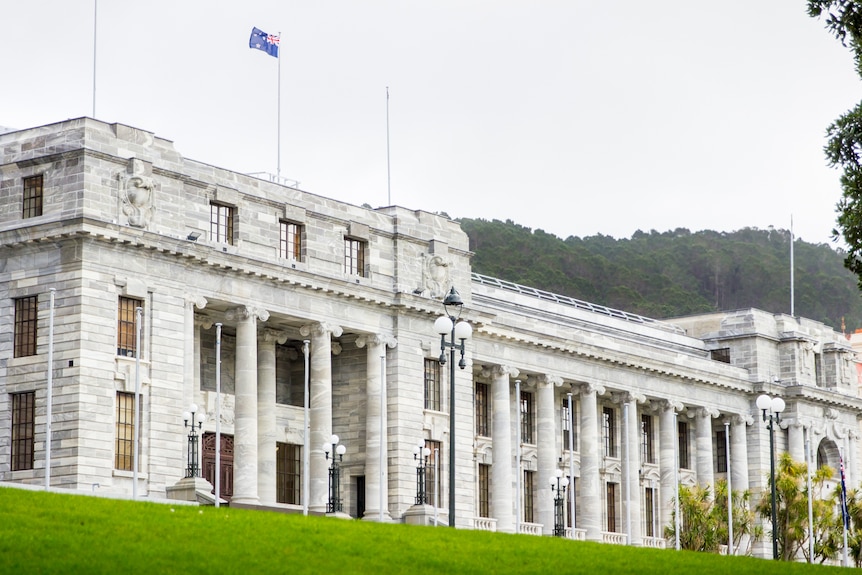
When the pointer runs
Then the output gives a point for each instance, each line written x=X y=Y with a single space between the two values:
x=484 y=490
x=23 y=423
x=288 y=473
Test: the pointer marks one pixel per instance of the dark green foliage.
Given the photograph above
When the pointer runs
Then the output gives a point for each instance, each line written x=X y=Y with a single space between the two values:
x=675 y=273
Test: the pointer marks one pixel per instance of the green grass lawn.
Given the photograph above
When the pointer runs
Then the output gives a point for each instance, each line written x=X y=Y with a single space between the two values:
x=55 y=533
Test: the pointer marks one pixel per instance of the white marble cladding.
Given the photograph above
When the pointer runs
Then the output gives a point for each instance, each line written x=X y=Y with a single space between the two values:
x=92 y=247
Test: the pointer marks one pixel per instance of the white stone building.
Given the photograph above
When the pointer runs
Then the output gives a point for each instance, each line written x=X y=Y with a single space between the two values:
x=113 y=218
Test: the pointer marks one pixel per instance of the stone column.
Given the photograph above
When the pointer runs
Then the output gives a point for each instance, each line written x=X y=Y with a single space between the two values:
x=668 y=445
x=795 y=439
x=245 y=462
x=502 y=476
x=703 y=442
x=739 y=451
x=376 y=347
x=320 y=366
x=192 y=350
x=591 y=496
x=546 y=448
x=631 y=469
x=266 y=432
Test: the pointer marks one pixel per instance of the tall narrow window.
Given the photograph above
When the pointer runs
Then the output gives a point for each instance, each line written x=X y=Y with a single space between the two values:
x=127 y=326
x=720 y=452
x=32 y=199
x=288 y=473
x=609 y=431
x=221 y=223
x=682 y=431
x=647 y=447
x=611 y=500
x=125 y=422
x=432 y=477
x=354 y=257
x=290 y=241
x=567 y=422
x=23 y=418
x=432 y=384
x=484 y=490
x=527 y=417
x=529 y=485
x=649 y=512
x=26 y=309
x=482 y=407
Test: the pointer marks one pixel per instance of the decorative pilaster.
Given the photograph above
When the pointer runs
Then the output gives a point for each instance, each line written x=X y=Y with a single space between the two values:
x=546 y=447
x=591 y=499
x=739 y=451
x=668 y=462
x=320 y=382
x=795 y=439
x=266 y=436
x=502 y=477
x=631 y=469
x=703 y=425
x=376 y=478
x=245 y=462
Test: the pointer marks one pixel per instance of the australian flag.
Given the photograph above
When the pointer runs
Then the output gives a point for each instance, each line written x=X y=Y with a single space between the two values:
x=263 y=41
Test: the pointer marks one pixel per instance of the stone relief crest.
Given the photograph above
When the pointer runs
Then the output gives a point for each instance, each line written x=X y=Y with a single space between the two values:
x=436 y=276
x=136 y=192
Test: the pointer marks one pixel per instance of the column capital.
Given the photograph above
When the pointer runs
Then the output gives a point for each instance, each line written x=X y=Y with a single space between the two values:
x=589 y=388
x=708 y=412
x=198 y=301
x=376 y=339
x=628 y=397
x=245 y=312
x=498 y=370
x=203 y=321
x=274 y=335
x=741 y=419
x=670 y=405
x=548 y=379
x=321 y=329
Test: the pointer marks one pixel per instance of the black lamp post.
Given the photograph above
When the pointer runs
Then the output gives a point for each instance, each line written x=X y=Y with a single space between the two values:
x=420 y=456
x=772 y=408
x=194 y=423
x=558 y=489
x=459 y=330
x=334 y=504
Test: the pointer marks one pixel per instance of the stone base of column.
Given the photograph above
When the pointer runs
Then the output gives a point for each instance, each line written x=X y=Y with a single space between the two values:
x=374 y=515
x=192 y=489
x=424 y=515
x=339 y=515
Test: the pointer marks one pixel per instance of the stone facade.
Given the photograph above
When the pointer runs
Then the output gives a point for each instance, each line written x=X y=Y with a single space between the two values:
x=124 y=216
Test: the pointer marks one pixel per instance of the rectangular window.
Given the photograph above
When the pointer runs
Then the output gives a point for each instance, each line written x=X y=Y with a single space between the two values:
x=482 y=408
x=529 y=477
x=288 y=473
x=526 y=417
x=354 y=257
x=720 y=452
x=609 y=431
x=484 y=490
x=567 y=422
x=649 y=512
x=23 y=423
x=432 y=384
x=682 y=431
x=127 y=326
x=432 y=475
x=290 y=241
x=32 y=198
x=611 y=511
x=722 y=355
x=26 y=309
x=647 y=447
x=125 y=422
x=221 y=223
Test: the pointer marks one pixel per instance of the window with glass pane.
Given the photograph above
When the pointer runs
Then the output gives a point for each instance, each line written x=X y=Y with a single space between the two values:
x=288 y=473
x=567 y=422
x=354 y=257
x=432 y=384
x=484 y=490
x=482 y=408
x=127 y=326
x=125 y=422
x=609 y=431
x=290 y=241
x=647 y=447
x=526 y=417
x=611 y=512
x=529 y=486
x=720 y=447
x=649 y=512
x=23 y=418
x=432 y=475
x=32 y=199
x=221 y=223
x=682 y=431
x=26 y=311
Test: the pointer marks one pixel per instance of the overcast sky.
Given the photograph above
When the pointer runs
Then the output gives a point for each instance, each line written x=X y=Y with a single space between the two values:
x=570 y=116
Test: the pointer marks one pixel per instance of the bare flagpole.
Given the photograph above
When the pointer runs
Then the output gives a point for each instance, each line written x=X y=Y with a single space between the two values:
x=50 y=385
x=792 y=295
x=217 y=474
x=388 y=173
x=278 y=161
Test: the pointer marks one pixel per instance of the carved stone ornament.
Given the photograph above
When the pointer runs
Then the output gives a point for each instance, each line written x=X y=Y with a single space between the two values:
x=436 y=276
x=136 y=192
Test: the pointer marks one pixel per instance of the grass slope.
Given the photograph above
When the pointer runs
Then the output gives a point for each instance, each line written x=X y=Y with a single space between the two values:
x=56 y=533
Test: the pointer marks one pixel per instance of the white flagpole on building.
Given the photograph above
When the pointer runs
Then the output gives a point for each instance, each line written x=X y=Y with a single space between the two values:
x=730 y=550
x=626 y=472
x=217 y=473
x=676 y=518
x=792 y=281
x=50 y=382
x=95 y=20
x=278 y=161
x=306 y=449
x=572 y=493
x=810 y=504
x=139 y=321
x=382 y=430
x=388 y=173
x=518 y=457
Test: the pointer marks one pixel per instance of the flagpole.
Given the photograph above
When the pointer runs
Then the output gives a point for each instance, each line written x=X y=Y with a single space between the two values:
x=388 y=174
x=50 y=385
x=278 y=161
x=792 y=296
x=95 y=19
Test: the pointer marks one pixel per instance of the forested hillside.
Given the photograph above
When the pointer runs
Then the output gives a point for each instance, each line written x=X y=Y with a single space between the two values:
x=663 y=275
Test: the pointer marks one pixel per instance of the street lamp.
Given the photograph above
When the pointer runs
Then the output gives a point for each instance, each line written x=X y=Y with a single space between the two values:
x=772 y=408
x=334 y=504
x=194 y=422
x=558 y=489
x=420 y=456
x=459 y=330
